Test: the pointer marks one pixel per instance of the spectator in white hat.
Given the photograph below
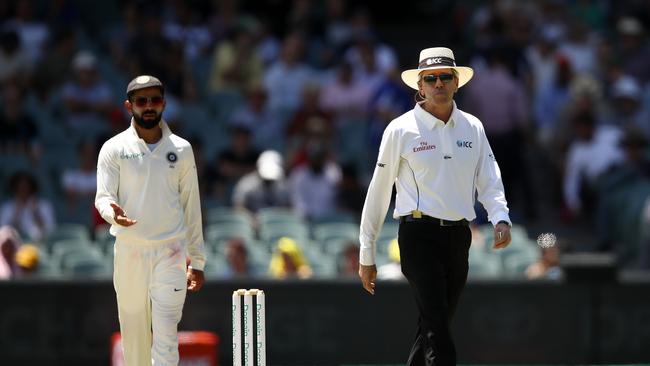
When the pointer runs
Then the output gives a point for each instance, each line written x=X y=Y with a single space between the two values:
x=265 y=187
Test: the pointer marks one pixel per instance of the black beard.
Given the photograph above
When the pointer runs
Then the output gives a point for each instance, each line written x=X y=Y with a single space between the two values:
x=147 y=124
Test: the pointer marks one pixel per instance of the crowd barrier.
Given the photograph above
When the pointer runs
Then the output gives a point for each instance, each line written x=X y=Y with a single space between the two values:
x=336 y=322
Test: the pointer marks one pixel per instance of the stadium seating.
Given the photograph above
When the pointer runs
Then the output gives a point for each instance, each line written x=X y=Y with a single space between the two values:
x=217 y=215
x=67 y=231
x=87 y=267
x=276 y=215
x=329 y=235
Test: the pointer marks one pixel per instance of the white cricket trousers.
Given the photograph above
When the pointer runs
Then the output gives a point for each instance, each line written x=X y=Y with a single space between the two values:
x=150 y=284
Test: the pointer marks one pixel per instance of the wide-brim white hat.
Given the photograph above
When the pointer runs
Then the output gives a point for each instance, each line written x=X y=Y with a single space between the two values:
x=436 y=58
x=269 y=165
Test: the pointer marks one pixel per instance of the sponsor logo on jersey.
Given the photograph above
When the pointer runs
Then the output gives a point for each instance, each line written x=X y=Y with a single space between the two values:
x=124 y=155
x=424 y=146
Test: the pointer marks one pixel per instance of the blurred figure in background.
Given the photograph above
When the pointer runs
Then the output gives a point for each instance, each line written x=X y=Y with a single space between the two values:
x=9 y=243
x=595 y=149
x=548 y=265
x=80 y=183
x=370 y=58
x=28 y=260
x=389 y=100
x=14 y=61
x=346 y=97
x=350 y=192
x=30 y=215
x=633 y=48
x=616 y=189
x=316 y=131
x=348 y=260
x=285 y=79
x=237 y=259
x=627 y=105
x=235 y=64
x=265 y=187
x=88 y=99
x=314 y=184
x=542 y=56
x=288 y=261
x=19 y=133
x=231 y=164
x=505 y=127
x=301 y=122
x=393 y=269
x=550 y=100
x=56 y=65
x=186 y=27
x=634 y=145
x=255 y=114
x=33 y=32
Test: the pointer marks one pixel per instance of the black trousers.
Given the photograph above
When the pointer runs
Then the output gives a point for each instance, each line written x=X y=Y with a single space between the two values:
x=434 y=260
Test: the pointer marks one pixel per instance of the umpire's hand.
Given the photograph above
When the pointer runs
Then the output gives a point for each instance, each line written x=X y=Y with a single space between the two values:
x=368 y=275
x=501 y=236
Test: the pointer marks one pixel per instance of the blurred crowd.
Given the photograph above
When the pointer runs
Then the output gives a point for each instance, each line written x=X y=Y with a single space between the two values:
x=285 y=104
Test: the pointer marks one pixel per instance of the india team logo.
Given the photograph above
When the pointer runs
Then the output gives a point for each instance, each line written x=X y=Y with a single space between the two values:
x=172 y=157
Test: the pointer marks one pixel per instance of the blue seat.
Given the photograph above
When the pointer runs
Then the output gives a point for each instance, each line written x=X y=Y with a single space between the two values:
x=227 y=215
x=216 y=235
x=273 y=232
x=67 y=231
x=87 y=267
x=331 y=236
x=277 y=215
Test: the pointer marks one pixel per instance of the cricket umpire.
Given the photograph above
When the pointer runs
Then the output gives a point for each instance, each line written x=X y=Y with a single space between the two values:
x=438 y=157
x=147 y=189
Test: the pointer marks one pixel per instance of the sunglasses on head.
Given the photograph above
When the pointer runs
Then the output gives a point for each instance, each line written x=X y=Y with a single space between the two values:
x=155 y=101
x=445 y=78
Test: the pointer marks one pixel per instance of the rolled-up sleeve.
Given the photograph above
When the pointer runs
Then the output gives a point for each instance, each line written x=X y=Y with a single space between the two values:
x=108 y=178
x=191 y=203
x=379 y=193
x=489 y=184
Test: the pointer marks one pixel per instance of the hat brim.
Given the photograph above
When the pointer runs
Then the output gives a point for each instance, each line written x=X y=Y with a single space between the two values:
x=411 y=77
x=270 y=172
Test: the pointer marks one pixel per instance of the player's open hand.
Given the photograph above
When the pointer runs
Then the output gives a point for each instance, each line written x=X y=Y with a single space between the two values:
x=195 y=279
x=368 y=276
x=120 y=217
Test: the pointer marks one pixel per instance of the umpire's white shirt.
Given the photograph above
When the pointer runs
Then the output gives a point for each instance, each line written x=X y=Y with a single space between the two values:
x=157 y=188
x=436 y=168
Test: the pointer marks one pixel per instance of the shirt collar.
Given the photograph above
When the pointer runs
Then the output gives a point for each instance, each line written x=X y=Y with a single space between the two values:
x=166 y=132
x=430 y=121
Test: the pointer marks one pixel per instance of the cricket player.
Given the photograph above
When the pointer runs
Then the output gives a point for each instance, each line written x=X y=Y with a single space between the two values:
x=147 y=189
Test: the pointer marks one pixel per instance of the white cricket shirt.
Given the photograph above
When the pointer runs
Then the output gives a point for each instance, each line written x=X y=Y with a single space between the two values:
x=436 y=168
x=157 y=188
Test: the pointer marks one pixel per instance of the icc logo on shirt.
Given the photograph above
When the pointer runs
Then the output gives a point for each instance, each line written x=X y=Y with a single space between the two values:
x=467 y=144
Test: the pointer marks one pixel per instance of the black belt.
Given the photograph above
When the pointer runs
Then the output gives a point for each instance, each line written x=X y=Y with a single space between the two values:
x=433 y=220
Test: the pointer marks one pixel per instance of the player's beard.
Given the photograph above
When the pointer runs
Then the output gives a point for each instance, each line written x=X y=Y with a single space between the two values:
x=147 y=124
